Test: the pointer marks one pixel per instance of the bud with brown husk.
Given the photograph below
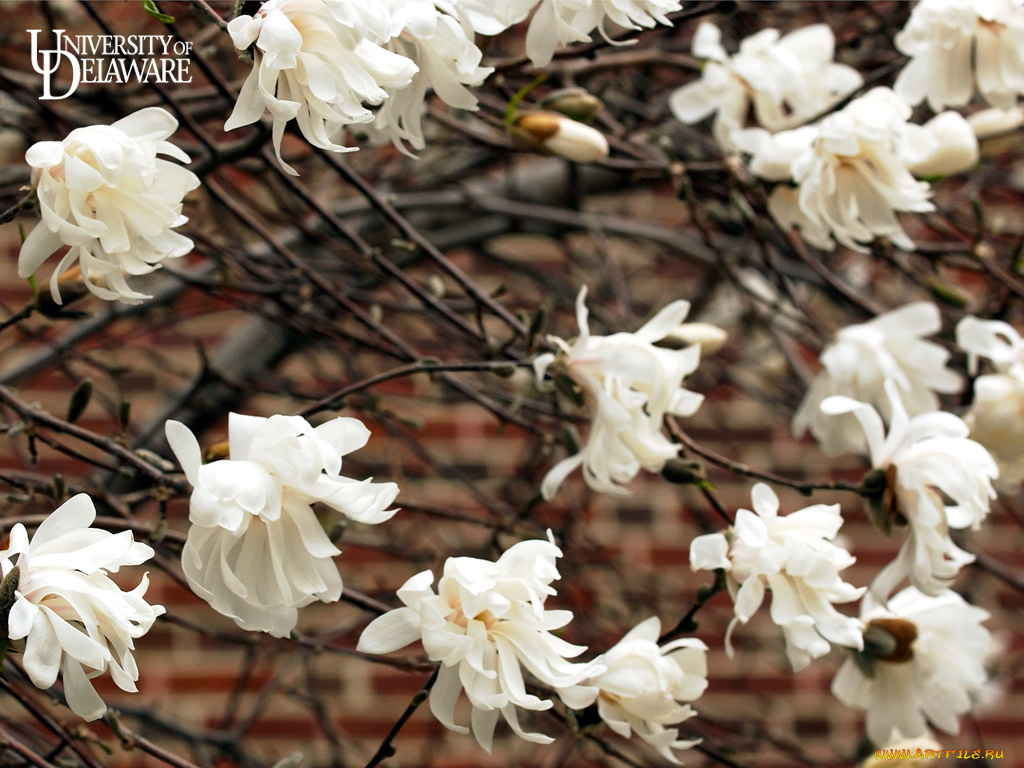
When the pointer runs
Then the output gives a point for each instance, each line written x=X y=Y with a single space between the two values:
x=879 y=489
x=890 y=640
x=72 y=288
x=887 y=640
x=555 y=134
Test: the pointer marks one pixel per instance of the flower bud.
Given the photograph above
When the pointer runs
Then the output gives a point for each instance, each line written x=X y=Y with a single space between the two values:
x=682 y=472
x=995 y=122
x=573 y=102
x=709 y=337
x=556 y=134
x=890 y=639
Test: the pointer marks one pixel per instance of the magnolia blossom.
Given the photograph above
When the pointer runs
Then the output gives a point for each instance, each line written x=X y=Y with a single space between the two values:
x=317 y=62
x=996 y=417
x=256 y=551
x=628 y=385
x=862 y=357
x=794 y=557
x=923 y=661
x=486 y=620
x=943 y=146
x=448 y=61
x=644 y=685
x=71 y=615
x=787 y=79
x=853 y=178
x=948 y=41
x=927 y=460
x=104 y=192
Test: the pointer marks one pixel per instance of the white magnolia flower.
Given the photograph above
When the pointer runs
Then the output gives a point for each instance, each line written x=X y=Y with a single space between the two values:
x=628 y=385
x=923 y=661
x=853 y=178
x=486 y=17
x=559 y=135
x=996 y=417
x=104 y=192
x=794 y=558
x=448 y=61
x=953 y=43
x=486 y=619
x=943 y=146
x=787 y=79
x=927 y=460
x=862 y=358
x=72 y=616
x=256 y=551
x=772 y=154
x=317 y=62
x=557 y=23
x=644 y=687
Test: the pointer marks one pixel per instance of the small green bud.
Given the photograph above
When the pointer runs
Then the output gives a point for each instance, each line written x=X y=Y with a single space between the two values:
x=683 y=472
x=573 y=102
x=505 y=370
x=79 y=399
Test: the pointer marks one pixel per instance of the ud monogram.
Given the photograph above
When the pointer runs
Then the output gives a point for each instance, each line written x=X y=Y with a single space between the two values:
x=50 y=61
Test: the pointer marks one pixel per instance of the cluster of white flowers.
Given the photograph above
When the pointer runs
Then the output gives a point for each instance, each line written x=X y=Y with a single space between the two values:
x=855 y=169
x=325 y=63
x=104 y=192
x=318 y=63
x=996 y=416
x=628 y=385
x=861 y=358
x=72 y=616
x=794 y=558
x=485 y=620
x=256 y=551
x=926 y=664
x=927 y=459
x=644 y=687
x=953 y=43
x=787 y=79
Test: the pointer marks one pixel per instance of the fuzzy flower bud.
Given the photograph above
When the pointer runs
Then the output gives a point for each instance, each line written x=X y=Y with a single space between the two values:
x=557 y=134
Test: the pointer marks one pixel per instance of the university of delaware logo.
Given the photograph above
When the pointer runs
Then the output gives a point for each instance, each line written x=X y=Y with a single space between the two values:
x=109 y=59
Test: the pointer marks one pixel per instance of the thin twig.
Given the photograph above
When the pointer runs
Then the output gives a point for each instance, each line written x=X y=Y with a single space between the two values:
x=386 y=750
x=740 y=468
